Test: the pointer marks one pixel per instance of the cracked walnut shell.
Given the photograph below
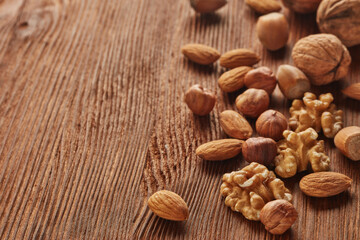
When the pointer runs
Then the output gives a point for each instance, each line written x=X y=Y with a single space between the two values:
x=249 y=189
x=297 y=150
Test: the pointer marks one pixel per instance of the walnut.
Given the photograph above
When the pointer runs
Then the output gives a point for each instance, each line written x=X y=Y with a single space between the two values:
x=341 y=18
x=297 y=150
x=322 y=57
x=316 y=113
x=248 y=190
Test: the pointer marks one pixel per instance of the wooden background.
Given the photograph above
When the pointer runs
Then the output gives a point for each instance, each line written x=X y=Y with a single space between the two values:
x=92 y=122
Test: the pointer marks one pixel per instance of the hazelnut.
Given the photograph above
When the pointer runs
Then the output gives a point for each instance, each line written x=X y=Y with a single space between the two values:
x=347 y=140
x=271 y=124
x=261 y=150
x=261 y=78
x=278 y=216
x=200 y=100
x=302 y=6
x=273 y=31
x=253 y=102
x=206 y=6
x=292 y=81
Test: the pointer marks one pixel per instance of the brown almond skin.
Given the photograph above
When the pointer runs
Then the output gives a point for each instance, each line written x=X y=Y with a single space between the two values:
x=218 y=150
x=352 y=91
x=261 y=78
x=259 y=149
x=347 y=140
x=271 y=124
x=253 y=102
x=233 y=80
x=264 y=6
x=168 y=205
x=200 y=100
x=235 y=125
x=200 y=53
x=324 y=184
x=207 y=6
x=239 y=57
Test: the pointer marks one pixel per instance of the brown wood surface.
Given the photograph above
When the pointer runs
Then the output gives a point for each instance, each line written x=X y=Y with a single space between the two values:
x=92 y=122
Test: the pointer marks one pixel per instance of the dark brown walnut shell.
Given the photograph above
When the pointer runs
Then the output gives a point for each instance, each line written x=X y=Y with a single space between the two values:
x=302 y=6
x=341 y=18
x=322 y=57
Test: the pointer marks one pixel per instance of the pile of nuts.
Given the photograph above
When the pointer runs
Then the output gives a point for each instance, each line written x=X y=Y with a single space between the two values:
x=319 y=59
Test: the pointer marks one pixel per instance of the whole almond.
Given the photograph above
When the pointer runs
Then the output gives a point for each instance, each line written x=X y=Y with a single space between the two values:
x=353 y=91
x=168 y=205
x=200 y=53
x=219 y=149
x=239 y=57
x=233 y=80
x=324 y=184
x=264 y=6
x=235 y=125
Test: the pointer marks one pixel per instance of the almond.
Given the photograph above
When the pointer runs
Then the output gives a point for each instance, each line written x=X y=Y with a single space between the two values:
x=239 y=57
x=324 y=184
x=264 y=6
x=219 y=149
x=200 y=53
x=235 y=125
x=233 y=80
x=352 y=91
x=168 y=205
x=207 y=6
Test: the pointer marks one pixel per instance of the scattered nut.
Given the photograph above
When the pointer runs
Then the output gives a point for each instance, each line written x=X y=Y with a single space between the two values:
x=206 y=6
x=322 y=57
x=292 y=81
x=273 y=31
x=253 y=102
x=264 y=6
x=168 y=205
x=248 y=190
x=341 y=18
x=297 y=150
x=302 y=6
x=261 y=78
x=219 y=149
x=347 y=140
x=239 y=57
x=271 y=124
x=278 y=216
x=324 y=184
x=200 y=100
x=200 y=53
x=233 y=80
x=235 y=125
x=261 y=150
x=352 y=91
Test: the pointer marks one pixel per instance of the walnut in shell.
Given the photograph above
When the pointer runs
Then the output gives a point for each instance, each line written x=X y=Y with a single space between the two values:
x=297 y=151
x=248 y=190
x=322 y=57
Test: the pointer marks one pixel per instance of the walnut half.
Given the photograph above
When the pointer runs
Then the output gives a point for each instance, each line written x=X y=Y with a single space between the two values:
x=248 y=190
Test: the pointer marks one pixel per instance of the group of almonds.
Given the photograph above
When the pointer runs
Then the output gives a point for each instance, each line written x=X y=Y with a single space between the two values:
x=319 y=59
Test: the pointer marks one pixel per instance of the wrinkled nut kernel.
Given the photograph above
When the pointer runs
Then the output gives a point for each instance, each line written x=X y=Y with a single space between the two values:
x=200 y=53
x=316 y=113
x=200 y=100
x=239 y=57
x=297 y=150
x=235 y=125
x=248 y=190
x=253 y=102
x=233 y=80
x=302 y=6
x=261 y=78
x=322 y=57
x=271 y=124
x=261 y=150
x=341 y=18
x=347 y=140
x=206 y=6
x=278 y=216
x=219 y=149
x=264 y=6
x=292 y=81
x=273 y=31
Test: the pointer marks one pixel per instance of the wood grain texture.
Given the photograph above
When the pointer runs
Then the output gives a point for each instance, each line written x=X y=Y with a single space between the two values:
x=92 y=122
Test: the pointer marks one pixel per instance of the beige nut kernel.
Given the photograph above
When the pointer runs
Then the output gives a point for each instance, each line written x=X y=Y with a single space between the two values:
x=200 y=53
x=261 y=78
x=253 y=102
x=259 y=149
x=239 y=57
x=219 y=149
x=273 y=31
x=264 y=6
x=200 y=100
x=235 y=125
x=271 y=124
x=352 y=91
x=347 y=140
x=292 y=81
x=207 y=6
x=168 y=205
x=302 y=6
x=278 y=216
x=233 y=80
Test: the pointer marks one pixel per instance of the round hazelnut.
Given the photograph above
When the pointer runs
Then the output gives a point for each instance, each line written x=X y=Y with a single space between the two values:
x=206 y=6
x=261 y=78
x=253 y=102
x=271 y=124
x=273 y=31
x=200 y=100
x=278 y=216
x=259 y=149
x=302 y=6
